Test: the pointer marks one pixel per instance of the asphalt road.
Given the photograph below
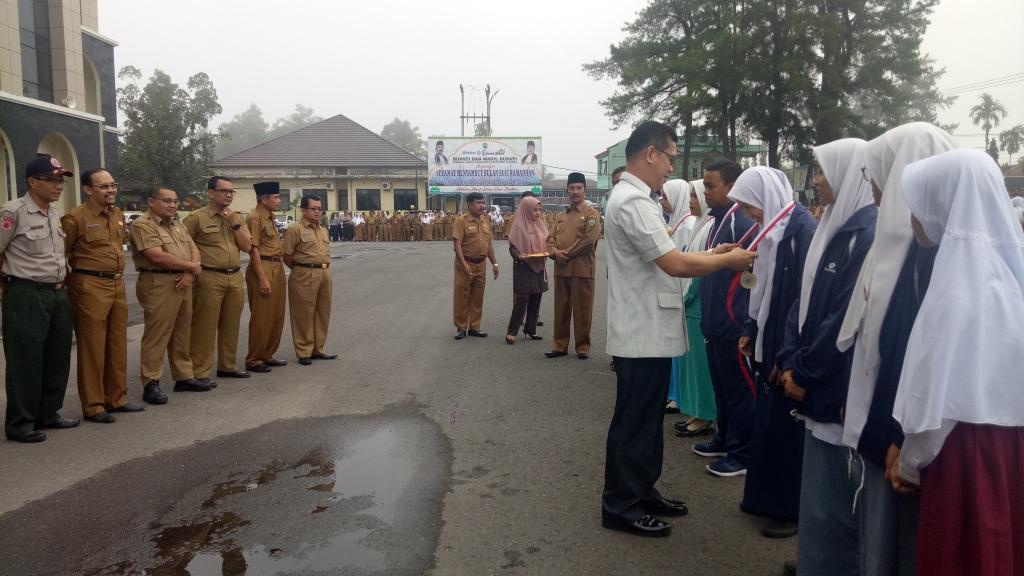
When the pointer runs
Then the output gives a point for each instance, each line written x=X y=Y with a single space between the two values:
x=411 y=454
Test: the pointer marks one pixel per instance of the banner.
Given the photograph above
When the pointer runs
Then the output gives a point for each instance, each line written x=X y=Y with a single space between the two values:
x=490 y=165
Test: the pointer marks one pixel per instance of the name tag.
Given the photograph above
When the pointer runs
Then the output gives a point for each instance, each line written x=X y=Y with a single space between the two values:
x=211 y=228
x=92 y=226
x=37 y=227
x=471 y=229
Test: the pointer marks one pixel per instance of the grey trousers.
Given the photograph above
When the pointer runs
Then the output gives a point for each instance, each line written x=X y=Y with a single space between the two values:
x=888 y=527
x=829 y=527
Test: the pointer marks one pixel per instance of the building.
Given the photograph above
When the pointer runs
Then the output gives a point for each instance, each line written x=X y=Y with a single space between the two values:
x=348 y=166
x=703 y=152
x=57 y=93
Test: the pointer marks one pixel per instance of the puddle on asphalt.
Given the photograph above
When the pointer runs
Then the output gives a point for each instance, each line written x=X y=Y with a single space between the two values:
x=360 y=497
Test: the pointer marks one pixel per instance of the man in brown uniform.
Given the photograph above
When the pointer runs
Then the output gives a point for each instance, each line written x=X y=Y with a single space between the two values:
x=168 y=263
x=573 y=246
x=265 y=280
x=218 y=297
x=473 y=240
x=307 y=252
x=95 y=238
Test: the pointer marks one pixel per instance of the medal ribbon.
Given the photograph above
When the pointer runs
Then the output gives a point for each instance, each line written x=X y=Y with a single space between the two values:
x=710 y=220
x=731 y=211
x=734 y=285
x=680 y=223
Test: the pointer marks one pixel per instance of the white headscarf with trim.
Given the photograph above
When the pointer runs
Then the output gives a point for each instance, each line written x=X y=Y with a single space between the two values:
x=698 y=236
x=885 y=158
x=678 y=194
x=963 y=356
x=768 y=190
x=841 y=162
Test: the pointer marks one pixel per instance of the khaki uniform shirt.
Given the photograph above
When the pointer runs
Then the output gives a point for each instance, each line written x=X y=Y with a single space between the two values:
x=31 y=242
x=474 y=234
x=576 y=231
x=263 y=230
x=95 y=238
x=307 y=243
x=148 y=231
x=214 y=238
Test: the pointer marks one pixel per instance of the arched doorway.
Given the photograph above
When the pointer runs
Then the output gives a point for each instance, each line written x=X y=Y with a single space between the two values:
x=57 y=145
x=92 y=88
x=8 y=178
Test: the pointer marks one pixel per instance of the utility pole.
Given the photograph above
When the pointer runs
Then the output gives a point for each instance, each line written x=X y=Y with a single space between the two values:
x=486 y=117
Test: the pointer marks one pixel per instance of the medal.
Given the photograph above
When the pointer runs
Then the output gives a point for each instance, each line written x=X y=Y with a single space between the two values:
x=748 y=280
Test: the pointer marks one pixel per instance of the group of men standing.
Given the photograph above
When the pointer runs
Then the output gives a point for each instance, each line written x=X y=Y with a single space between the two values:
x=64 y=273
x=383 y=226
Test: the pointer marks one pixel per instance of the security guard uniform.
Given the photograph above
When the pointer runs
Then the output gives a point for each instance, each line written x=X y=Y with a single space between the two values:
x=37 y=320
x=95 y=248
x=167 y=311
x=309 y=287
x=218 y=295
x=266 y=318
x=576 y=231
x=475 y=236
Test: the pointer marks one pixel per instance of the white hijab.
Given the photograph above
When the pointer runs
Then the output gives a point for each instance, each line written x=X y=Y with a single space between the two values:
x=841 y=162
x=963 y=356
x=678 y=194
x=885 y=158
x=698 y=237
x=768 y=190
x=1018 y=209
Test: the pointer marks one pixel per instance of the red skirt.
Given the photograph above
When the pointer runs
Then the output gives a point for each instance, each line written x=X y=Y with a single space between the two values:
x=972 y=505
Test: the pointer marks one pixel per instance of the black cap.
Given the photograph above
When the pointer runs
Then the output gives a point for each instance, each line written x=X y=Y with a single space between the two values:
x=576 y=178
x=45 y=165
x=265 y=188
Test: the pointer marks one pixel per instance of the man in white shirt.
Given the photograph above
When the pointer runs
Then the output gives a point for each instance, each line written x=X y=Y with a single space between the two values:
x=645 y=329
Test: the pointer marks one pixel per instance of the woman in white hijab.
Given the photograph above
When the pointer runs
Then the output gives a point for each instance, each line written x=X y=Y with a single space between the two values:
x=681 y=221
x=960 y=401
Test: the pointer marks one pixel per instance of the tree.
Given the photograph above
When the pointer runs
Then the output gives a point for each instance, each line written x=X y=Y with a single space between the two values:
x=406 y=136
x=481 y=129
x=1012 y=140
x=166 y=139
x=243 y=131
x=993 y=150
x=987 y=114
x=299 y=118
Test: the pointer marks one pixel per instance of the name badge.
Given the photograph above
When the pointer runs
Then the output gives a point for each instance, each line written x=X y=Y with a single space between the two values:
x=36 y=227
x=211 y=228
x=92 y=226
x=471 y=229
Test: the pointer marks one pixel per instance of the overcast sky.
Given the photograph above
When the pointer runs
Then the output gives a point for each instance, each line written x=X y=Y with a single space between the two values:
x=377 y=60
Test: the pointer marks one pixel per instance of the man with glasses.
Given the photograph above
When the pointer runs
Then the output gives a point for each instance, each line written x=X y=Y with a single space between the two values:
x=37 y=321
x=218 y=297
x=307 y=253
x=95 y=248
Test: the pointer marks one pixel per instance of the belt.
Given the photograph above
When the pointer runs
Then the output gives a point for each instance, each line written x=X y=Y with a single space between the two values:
x=271 y=258
x=34 y=284
x=475 y=260
x=98 y=274
x=153 y=271
x=307 y=265
x=222 y=270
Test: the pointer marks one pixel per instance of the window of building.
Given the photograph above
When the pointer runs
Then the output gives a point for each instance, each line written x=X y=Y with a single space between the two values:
x=405 y=199
x=367 y=199
x=286 y=200
x=320 y=193
x=343 y=199
x=36 y=57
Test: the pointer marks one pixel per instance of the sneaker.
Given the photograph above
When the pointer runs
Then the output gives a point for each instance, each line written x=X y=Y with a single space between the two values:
x=714 y=448
x=726 y=467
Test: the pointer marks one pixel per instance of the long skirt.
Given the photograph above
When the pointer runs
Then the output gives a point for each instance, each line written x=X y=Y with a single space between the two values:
x=972 y=504
x=888 y=526
x=772 y=486
x=829 y=525
x=693 y=377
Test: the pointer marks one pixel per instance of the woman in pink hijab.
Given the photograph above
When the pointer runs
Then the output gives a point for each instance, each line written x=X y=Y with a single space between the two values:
x=527 y=242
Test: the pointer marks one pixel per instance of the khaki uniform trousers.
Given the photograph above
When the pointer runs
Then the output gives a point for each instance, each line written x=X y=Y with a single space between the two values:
x=217 y=302
x=101 y=323
x=468 y=302
x=309 y=306
x=428 y=232
x=167 y=313
x=574 y=300
x=266 y=318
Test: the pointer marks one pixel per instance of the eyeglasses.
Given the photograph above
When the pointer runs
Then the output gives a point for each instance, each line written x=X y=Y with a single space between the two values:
x=49 y=179
x=671 y=157
x=229 y=192
x=104 y=187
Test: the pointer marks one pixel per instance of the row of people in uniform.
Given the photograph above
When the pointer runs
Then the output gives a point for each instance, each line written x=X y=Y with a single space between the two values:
x=383 y=226
x=860 y=374
x=67 y=273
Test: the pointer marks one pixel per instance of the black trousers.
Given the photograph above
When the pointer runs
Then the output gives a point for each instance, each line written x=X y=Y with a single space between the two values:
x=525 y=307
x=635 y=438
x=732 y=379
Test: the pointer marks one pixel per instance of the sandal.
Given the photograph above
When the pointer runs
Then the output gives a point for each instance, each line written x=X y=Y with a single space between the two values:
x=510 y=340
x=534 y=337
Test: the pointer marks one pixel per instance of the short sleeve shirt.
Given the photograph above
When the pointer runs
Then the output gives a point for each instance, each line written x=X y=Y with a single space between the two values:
x=148 y=231
x=32 y=242
x=474 y=234
x=307 y=243
x=572 y=228
x=95 y=238
x=214 y=238
x=263 y=230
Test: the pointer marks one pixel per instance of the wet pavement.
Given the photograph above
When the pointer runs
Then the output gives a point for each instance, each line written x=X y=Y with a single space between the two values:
x=356 y=495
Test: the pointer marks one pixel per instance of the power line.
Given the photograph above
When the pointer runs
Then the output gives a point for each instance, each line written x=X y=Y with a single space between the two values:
x=996 y=83
x=570 y=169
x=971 y=84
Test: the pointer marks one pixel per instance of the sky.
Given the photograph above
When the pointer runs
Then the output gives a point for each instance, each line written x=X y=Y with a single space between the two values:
x=378 y=60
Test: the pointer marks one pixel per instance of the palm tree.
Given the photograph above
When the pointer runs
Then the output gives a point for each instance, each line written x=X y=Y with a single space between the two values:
x=1012 y=140
x=987 y=114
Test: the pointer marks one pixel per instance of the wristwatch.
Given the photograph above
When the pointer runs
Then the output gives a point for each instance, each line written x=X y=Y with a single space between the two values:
x=236 y=226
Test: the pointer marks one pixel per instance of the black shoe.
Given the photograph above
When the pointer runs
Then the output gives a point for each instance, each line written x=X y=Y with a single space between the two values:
x=477 y=333
x=665 y=507
x=460 y=334
x=58 y=423
x=683 y=431
x=101 y=418
x=713 y=448
x=191 y=385
x=152 y=394
x=539 y=323
x=232 y=374
x=259 y=368
x=779 y=528
x=30 y=437
x=305 y=361
x=534 y=337
x=646 y=525
x=211 y=383
x=324 y=356
x=554 y=354
x=611 y=365
x=130 y=407
x=276 y=362
x=583 y=355
x=789 y=569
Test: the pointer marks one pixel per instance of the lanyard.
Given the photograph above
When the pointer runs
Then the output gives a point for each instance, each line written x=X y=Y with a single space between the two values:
x=710 y=220
x=785 y=212
x=730 y=213
x=680 y=223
